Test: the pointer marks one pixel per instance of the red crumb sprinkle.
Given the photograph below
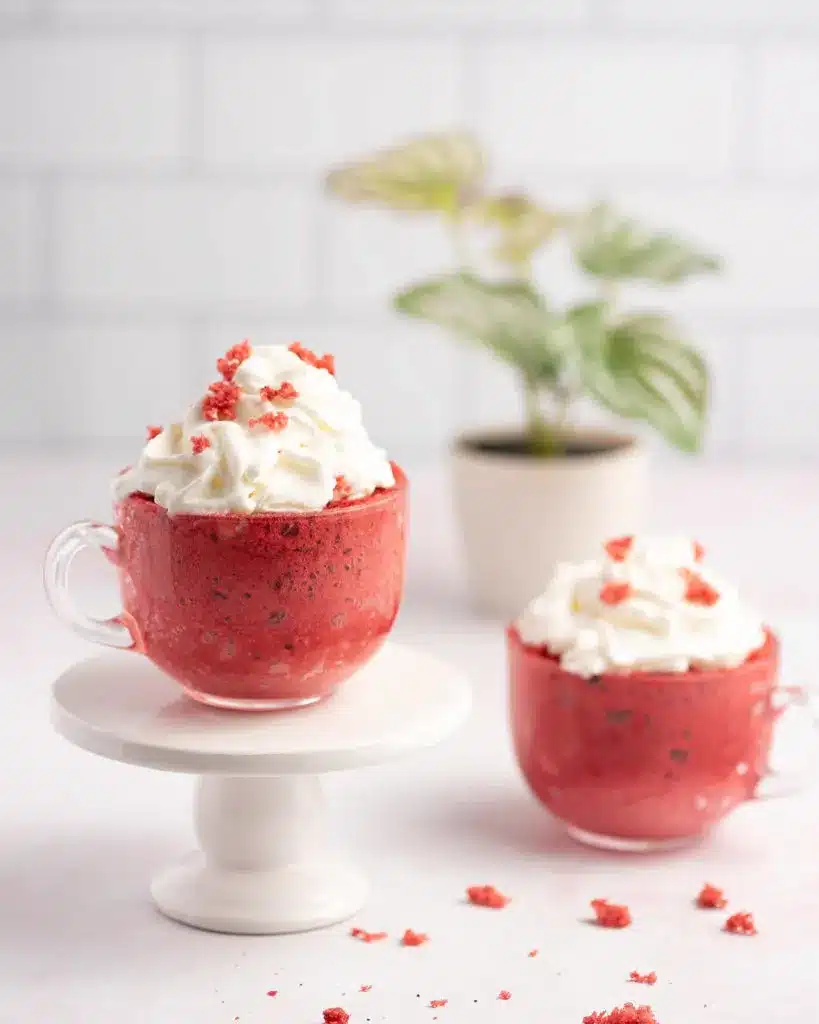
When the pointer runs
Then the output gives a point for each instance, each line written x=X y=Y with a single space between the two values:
x=626 y=1014
x=615 y=593
x=335 y=1015
x=199 y=443
x=366 y=988
x=697 y=591
x=533 y=952
x=153 y=432
x=699 y=551
x=711 y=898
x=610 y=915
x=233 y=359
x=325 y=362
x=434 y=1004
x=272 y=420
x=411 y=938
x=220 y=402
x=504 y=994
x=741 y=923
x=273 y=992
x=486 y=896
x=284 y=393
x=365 y=936
x=618 y=549
x=643 y=979
x=343 y=489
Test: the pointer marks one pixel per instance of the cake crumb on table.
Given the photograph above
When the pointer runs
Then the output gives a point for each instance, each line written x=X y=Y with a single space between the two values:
x=711 y=898
x=335 y=1015
x=411 y=938
x=486 y=896
x=504 y=994
x=643 y=979
x=610 y=915
x=365 y=936
x=741 y=923
x=626 y=1014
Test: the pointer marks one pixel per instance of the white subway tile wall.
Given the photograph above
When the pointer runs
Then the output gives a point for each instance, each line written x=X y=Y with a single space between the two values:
x=160 y=194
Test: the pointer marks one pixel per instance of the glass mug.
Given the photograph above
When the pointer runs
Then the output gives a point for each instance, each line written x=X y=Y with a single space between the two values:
x=649 y=760
x=251 y=611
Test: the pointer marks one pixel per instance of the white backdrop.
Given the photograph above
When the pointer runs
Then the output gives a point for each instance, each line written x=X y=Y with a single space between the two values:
x=159 y=193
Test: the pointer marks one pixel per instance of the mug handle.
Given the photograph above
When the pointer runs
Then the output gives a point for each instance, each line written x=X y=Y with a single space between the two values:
x=64 y=548
x=796 y=700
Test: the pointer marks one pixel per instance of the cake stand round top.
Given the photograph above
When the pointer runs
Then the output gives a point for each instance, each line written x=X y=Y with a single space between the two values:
x=122 y=707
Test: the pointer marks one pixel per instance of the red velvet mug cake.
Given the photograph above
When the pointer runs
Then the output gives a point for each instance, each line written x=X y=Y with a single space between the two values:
x=259 y=543
x=642 y=695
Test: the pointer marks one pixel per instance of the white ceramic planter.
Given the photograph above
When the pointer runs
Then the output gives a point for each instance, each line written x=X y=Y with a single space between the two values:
x=520 y=515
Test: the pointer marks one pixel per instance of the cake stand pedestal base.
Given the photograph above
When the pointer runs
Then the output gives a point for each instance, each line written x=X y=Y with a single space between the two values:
x=266 y=861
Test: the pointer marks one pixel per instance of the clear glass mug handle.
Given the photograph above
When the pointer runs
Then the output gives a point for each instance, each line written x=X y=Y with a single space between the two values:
x=791 y=700
x=56 y=573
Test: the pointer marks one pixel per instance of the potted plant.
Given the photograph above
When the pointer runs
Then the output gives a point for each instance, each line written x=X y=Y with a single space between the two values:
x=551 y=490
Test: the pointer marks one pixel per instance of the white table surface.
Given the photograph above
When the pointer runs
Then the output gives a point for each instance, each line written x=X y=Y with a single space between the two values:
x=80 y=836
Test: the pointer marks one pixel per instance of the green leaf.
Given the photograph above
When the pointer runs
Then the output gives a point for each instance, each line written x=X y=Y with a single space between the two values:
x=439 y=173
x=641 y=370
x=508 y=317
x=617 y=248
x=521 y=224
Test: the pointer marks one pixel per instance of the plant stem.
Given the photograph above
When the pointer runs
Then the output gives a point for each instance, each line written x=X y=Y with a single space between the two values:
x=543 y=438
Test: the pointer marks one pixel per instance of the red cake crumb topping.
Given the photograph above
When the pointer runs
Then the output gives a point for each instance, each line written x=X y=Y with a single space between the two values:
x=274 y=421
x=643 y=979
x=199 y=443
x=233 y=359
x=711 y=898
x=411 y=938
x=365 y=988
x=504 y=994
x=615 y=593
x=220 y=402
x=610 y=915
x=699 y=551
x=273 y=992
x=335 y=1015
x=153 y=432
x=533 y=952
x=486 y=896
x=343 y=489
x=325 y=362
x=435 y=1003
x=284 y=393
x=697 y=591
x=626 y=1014
x=618 y=549
x=365 y=936
x=741 y=923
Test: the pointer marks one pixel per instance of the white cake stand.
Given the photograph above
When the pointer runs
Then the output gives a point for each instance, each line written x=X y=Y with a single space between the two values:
x=266 y=863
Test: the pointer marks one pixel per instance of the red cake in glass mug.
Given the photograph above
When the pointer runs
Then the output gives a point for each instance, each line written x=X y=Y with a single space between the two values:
x=260 y=542
x=641 y=695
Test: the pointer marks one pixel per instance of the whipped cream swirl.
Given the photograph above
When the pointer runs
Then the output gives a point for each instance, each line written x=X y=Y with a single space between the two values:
x=644 y=605
x=277 y=433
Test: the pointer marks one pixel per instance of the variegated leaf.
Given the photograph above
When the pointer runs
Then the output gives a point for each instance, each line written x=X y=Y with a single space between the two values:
x=509 y=318
x=522 y=226
x=641 y=370
x=616 y=248
x=438 y=173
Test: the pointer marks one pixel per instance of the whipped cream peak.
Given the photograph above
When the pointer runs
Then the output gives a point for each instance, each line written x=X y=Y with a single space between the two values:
x=275 y=433
x=645 y=604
